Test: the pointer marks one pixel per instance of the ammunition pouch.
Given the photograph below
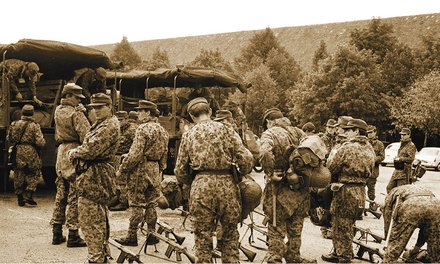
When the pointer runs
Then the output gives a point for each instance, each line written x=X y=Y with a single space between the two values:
x=399 y=165
x=236 y=175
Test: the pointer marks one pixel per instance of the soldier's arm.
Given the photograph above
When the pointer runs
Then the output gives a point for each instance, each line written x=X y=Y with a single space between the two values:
x=410 y=154
x=102 y=139
x=182 y=163
x=136 y=151
x=336 y=163
x=243 y=156
x=163 y=159
x=267 y=159
x=38 y=135
x=380 y=155
x=388 y=209
x=81 y=124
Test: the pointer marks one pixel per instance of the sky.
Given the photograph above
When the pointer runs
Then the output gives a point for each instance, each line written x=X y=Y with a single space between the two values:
x=94 y=22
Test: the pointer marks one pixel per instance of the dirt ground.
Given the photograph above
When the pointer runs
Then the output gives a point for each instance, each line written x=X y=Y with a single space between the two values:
x=26 y=233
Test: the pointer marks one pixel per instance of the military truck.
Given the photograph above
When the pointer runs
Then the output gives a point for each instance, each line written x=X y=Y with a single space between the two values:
x=58 y=62
x=171 y=90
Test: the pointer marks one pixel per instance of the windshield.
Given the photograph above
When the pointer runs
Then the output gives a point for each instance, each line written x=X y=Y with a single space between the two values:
x=429 y=152
x=393 y=146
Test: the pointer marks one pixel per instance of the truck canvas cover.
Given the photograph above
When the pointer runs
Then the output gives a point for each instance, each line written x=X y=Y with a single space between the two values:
x=57 y=60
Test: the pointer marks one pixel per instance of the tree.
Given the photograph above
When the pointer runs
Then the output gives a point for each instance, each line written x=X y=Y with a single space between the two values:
x=377 y=37
x=261 y=96
x=428 y=55
x=125 y=53
x=212 y=59
x=159 y=59
x=264 y=48
x=347 y=84
x=418 y=107
x=319 y=55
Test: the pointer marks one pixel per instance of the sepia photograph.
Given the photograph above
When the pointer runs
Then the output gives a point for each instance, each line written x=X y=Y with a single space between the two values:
x=220 y=131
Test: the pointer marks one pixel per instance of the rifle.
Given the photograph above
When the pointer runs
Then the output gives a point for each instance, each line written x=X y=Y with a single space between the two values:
x=365 y=248
x=185 y=214
x=250 y=255
x=172 y=246
x=372 y=209
x=365 y=232
x=125 y=254
x=164 y=227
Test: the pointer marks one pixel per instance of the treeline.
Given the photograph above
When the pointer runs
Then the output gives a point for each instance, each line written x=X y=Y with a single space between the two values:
x=374 y=77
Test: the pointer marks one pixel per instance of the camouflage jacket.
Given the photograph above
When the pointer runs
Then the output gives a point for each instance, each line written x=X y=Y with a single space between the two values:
x=379 y=150
x=27 y=147
x=128 y=131
x=86 y=78
x=274 y=142
x=353 y=162
x=414 y=203
x=150 y=145
x=210 y=145
x=406 y=153
x=329 y=140
x=71 y=124
x=97 y=151
x=15 y=69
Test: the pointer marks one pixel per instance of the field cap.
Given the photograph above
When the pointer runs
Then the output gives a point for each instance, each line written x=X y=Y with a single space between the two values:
x=222 y=114
x=100 y=99
x=74 y=89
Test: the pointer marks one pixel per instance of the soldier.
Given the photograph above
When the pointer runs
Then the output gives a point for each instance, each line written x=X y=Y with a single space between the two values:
x=91 y=80
x=128 y=130
x=205 y=159
x=71 y=126
x=93 y=159
x=291 y=206
x=309 y=128
x=351 y=166
x=225 y=117
x=412 y=207
x=403 y=161
x=380 y=155
x=238 y=116
x=27 y=137
x=142 y=169
x=329 y=136
x=18 y=70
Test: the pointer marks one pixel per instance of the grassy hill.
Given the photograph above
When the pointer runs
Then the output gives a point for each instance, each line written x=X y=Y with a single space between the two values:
x=301 y=41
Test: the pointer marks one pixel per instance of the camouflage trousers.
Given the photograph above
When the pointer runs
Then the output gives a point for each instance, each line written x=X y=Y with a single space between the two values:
x=400 y=235
x=343 y=233
x=24 y=180
x=65 y=199
x=215 y=199
x=145 y=200
x=93 y=220
x=371 y=188
x=277 y=248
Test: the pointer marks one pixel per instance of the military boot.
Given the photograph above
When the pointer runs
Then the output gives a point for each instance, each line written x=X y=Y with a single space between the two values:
x=28 y=198
x=58 y=237
x=152 y=240
x=130 y=239
x=121 y=206
x=332 y=257
x=20 y=200
x=74 y=240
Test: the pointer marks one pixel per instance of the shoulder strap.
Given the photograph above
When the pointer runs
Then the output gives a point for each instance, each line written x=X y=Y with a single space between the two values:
x=24 y=130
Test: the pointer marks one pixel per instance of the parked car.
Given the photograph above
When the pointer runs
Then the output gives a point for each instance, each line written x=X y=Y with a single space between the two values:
x=430 y=157
x=390 y=153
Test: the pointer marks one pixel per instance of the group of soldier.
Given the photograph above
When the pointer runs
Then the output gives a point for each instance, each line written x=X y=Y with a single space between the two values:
x=125 y=159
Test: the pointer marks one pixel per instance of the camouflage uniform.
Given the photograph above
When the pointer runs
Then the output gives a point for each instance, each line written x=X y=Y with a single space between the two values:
x=142 y=170
x=292 y=205
x=16 y=69
x=28 y=161
x=71 y=126
x=417 y=208
x=95 y=184
x=352 y=165
x=329 y=140
x=406 y=153
x=380 y=155
x=209 y=148
x=88 y=80
x=128 y=131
